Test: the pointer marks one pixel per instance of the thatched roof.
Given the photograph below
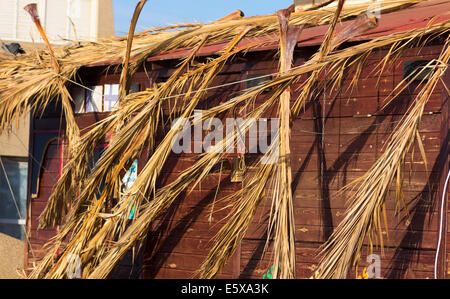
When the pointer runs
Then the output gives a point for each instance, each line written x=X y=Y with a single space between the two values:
x=35 y=80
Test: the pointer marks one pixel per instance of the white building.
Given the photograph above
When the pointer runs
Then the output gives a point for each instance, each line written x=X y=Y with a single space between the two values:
x=61 y=19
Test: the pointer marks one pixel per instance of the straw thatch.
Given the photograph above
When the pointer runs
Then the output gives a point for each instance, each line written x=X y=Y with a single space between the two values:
x=30 y=83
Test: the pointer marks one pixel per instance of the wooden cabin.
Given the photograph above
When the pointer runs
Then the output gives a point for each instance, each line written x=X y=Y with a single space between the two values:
x=337 y=138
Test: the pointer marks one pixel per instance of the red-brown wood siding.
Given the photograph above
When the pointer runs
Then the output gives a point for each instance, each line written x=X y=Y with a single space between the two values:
x=50 y=173
x=352 y=143
x=180 y=240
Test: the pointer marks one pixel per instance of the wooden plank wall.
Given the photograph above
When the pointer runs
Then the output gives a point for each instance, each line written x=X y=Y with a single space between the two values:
x=51 y=169
x=179 y=241
x=352 y=143
x=52 y=165
x=50 y=175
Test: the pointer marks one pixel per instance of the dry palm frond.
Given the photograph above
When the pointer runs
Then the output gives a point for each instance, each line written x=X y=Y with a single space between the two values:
x=363 y=219
x=72 y=130
x=125 y=78
x=244 y=206
x=147 y=180
x=29 y=85
x=325 y=49
x=132 y=138
x=146 y=184
x=282 y=216
x=221 y=254
x=286 y=79
x=235 y=15
x=248 y=199
x=134 y=124
x=135 y=103
x=63 y=196
x=167 y=195
x=231 y=234
x=362 y=24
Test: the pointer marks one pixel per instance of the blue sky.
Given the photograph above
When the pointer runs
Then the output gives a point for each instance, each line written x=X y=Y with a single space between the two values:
x=165 y=12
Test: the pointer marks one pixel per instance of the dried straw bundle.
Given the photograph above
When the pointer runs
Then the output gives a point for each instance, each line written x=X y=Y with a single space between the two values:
x=364 y=215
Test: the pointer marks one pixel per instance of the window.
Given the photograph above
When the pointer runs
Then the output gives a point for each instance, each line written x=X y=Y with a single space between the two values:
x=98 y=152
x=94 y=99
x=99 y=98
x=111 y=94
x=256 y=79
x=411 y=69
x=13 y=196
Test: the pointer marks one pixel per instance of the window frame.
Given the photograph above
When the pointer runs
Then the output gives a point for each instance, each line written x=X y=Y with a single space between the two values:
x=20 y=220
x=140 y=78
